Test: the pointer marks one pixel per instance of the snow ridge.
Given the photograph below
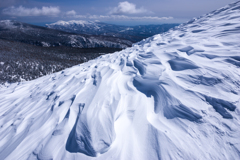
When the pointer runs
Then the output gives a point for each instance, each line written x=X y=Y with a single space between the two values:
x=172 y=96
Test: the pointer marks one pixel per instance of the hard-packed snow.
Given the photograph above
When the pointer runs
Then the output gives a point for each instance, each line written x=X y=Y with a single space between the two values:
x=172 y=96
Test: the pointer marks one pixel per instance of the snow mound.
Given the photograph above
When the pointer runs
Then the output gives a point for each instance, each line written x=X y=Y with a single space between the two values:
x=172 y=96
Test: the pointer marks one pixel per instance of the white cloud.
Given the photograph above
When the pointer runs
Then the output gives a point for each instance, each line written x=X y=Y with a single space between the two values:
x=22 y=11
x=71 y=13
x=127 y=8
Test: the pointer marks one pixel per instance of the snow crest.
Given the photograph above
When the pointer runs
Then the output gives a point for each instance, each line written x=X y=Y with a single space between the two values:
x=172 y=96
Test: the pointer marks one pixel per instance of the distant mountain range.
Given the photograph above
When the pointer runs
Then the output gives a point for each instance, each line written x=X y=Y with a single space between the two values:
x=132 y=33
x=46 y=37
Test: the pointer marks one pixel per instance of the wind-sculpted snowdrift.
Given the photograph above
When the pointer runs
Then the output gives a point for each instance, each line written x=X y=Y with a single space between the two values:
x=172 y=96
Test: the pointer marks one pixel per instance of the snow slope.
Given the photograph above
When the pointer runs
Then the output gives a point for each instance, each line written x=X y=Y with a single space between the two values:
x=172 y=96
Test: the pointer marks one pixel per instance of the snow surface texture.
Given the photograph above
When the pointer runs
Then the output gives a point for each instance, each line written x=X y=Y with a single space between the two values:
x=172 y=96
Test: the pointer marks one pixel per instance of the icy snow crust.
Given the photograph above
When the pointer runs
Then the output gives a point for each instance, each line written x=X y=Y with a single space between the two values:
x=172 y=96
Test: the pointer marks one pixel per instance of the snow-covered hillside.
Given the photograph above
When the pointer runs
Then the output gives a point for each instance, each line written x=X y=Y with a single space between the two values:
x=172 y=96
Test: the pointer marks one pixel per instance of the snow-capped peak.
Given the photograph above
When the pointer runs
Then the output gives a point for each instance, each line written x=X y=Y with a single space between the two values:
x=7 y=23
x=72 y=22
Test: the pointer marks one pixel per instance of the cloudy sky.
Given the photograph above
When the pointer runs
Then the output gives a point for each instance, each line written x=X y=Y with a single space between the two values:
x=130 y=12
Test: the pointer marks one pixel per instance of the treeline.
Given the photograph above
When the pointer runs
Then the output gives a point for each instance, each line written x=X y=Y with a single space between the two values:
x=19 y=61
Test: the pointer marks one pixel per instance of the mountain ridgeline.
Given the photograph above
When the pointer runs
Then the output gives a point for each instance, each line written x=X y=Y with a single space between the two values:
x=46 y=37
x=131 y=33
